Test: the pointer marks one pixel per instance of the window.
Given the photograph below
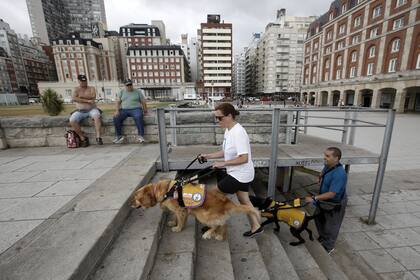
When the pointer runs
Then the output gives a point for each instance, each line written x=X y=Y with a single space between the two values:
x=398 y=23
x=328 y=50
x=372 y=51
x=353 y=72
x=342 y=29
x=329 y=35
x=340 y=45
x=338 y=74
x=374 y=32
x=327 y=64
x=418 y=62
x=331 y=16
x=357 y=21
x=400 y=3
x=353 y=56
x=377 y=11
x=356 y=39
x=343 y=9
x=339 y=61
x=392 y=65
x=326 y=76
x=395 y=45
x=370 y=69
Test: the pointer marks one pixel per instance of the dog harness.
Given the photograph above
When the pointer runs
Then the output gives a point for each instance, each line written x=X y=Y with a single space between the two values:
x=188 y=195
x=291 y=214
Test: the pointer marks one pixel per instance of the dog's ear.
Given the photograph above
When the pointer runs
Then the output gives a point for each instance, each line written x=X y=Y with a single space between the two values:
x=148 y=199
x=161 y=190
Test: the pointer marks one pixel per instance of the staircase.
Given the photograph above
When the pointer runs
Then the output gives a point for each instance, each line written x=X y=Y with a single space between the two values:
x=147 y=249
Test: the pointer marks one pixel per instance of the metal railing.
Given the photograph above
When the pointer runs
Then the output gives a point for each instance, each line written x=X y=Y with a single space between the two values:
x=293 y=123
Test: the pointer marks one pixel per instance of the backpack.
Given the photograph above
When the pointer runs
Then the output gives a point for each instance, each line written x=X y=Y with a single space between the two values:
x=72 y=139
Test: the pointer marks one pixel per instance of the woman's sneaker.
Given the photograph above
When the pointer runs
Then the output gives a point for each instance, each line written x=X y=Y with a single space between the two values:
x=99 y=141
x=140 y=139
x=255 y=233
x=84 y=143
x=118 y=140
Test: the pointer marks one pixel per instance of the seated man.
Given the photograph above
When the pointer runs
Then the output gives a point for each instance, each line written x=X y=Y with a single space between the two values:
x=130 y=103
x=85 y=96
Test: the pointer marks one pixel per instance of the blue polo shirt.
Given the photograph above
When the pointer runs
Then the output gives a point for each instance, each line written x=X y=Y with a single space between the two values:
x=334 y=181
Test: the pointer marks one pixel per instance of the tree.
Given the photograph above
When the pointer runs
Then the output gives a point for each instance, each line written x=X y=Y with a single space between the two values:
x=51 y=103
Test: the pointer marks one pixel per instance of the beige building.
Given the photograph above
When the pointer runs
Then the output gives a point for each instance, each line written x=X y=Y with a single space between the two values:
x=364 y=53
x=94 y=58
x=216 y=58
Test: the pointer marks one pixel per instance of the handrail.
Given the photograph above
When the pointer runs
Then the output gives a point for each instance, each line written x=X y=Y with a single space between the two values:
x=168 y=109
x=338 y=118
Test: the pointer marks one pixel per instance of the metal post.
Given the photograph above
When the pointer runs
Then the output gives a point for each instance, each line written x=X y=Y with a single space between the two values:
x=162 y=139
x=172 y=120
x=381 y=166
x=272 y=173
x=344 y=135
x=289 y=128
x=353 y=129
x=305 y=129
x=295 y=138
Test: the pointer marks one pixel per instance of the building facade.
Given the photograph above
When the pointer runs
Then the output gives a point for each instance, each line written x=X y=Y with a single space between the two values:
x=238 y=85
x=8 y=83
x=215 y=58
x=364 y=53
x=279 y=55
x=139 y=35
x=10 y=43
x=92 y=57
x=250 y=65
x=57 y=18
x=158 y=70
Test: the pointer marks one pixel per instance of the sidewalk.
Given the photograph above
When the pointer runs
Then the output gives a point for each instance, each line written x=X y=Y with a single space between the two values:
x=36 y=182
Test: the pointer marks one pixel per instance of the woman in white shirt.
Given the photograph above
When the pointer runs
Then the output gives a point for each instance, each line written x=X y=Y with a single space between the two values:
x=237 y=161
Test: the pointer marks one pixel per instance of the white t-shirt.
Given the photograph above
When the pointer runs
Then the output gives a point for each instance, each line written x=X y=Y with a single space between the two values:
x=235 y=143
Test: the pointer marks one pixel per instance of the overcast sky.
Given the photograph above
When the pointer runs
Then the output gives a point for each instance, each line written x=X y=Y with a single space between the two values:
x=184 y=16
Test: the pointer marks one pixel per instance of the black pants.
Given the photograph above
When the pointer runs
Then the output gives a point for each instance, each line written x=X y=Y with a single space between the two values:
x=328 y=224
x=228 y=184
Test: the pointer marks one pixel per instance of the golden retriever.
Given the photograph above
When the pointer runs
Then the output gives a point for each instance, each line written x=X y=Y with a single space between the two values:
x=214 y=212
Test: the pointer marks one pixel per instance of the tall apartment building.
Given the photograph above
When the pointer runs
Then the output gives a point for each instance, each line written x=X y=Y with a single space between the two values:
x=139 y=35
x=215 y=58
x=8 y=83
x=279 y=55
x=37 y=64
x=57 y=18
x=190 y=49
x=238 y=83
x=364 y=53
x=250 y=65
x=161 y=71
x=92 y=57
x=9 y=42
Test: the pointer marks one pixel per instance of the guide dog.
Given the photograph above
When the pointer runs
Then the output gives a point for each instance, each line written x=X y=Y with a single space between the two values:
x=214 y=211
x=291 y=214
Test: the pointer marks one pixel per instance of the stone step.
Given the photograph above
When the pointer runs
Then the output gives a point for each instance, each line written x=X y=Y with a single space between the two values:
x=325 y=262
x=132 y=255
x=213 y=255
x=75 y=238
x=247 y=261
x=303 y=262
x=175 y=258
x=275 y=257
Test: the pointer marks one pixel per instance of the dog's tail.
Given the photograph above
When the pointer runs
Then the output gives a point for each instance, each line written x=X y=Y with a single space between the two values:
x=244 y=209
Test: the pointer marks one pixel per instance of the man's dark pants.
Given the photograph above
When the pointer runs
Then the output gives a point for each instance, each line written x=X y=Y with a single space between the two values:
x=328 y=224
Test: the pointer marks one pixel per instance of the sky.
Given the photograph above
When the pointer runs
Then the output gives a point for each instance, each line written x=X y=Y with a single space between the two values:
x=184 y=16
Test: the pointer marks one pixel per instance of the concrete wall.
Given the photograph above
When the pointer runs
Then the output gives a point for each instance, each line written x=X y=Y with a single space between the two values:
x=39 y=131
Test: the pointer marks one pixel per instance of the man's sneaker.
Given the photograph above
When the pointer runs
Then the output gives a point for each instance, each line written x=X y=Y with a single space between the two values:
x=84 y=143
x=255 y=233
x=140 y=139
x=118 y=140
x=99 y=141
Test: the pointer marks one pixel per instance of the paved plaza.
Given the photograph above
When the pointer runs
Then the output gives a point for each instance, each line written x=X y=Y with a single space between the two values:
x=36 y=182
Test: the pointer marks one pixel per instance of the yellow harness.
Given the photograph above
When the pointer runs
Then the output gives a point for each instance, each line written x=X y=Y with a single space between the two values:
x=290 y=214
x=193 y=195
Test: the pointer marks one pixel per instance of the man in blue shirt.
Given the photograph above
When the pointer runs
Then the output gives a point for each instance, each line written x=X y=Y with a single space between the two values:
x=331 y=200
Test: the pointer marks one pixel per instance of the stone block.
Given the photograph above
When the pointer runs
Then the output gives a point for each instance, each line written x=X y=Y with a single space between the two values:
x=395 y=237
x=13 y=231
x=19 y=190
x=381 y=261
x=407 y=256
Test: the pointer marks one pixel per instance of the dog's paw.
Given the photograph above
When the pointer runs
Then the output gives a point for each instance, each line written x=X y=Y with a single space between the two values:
x=220 y=237
x=206 y=235
x=176 y=229
x=171 y=223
